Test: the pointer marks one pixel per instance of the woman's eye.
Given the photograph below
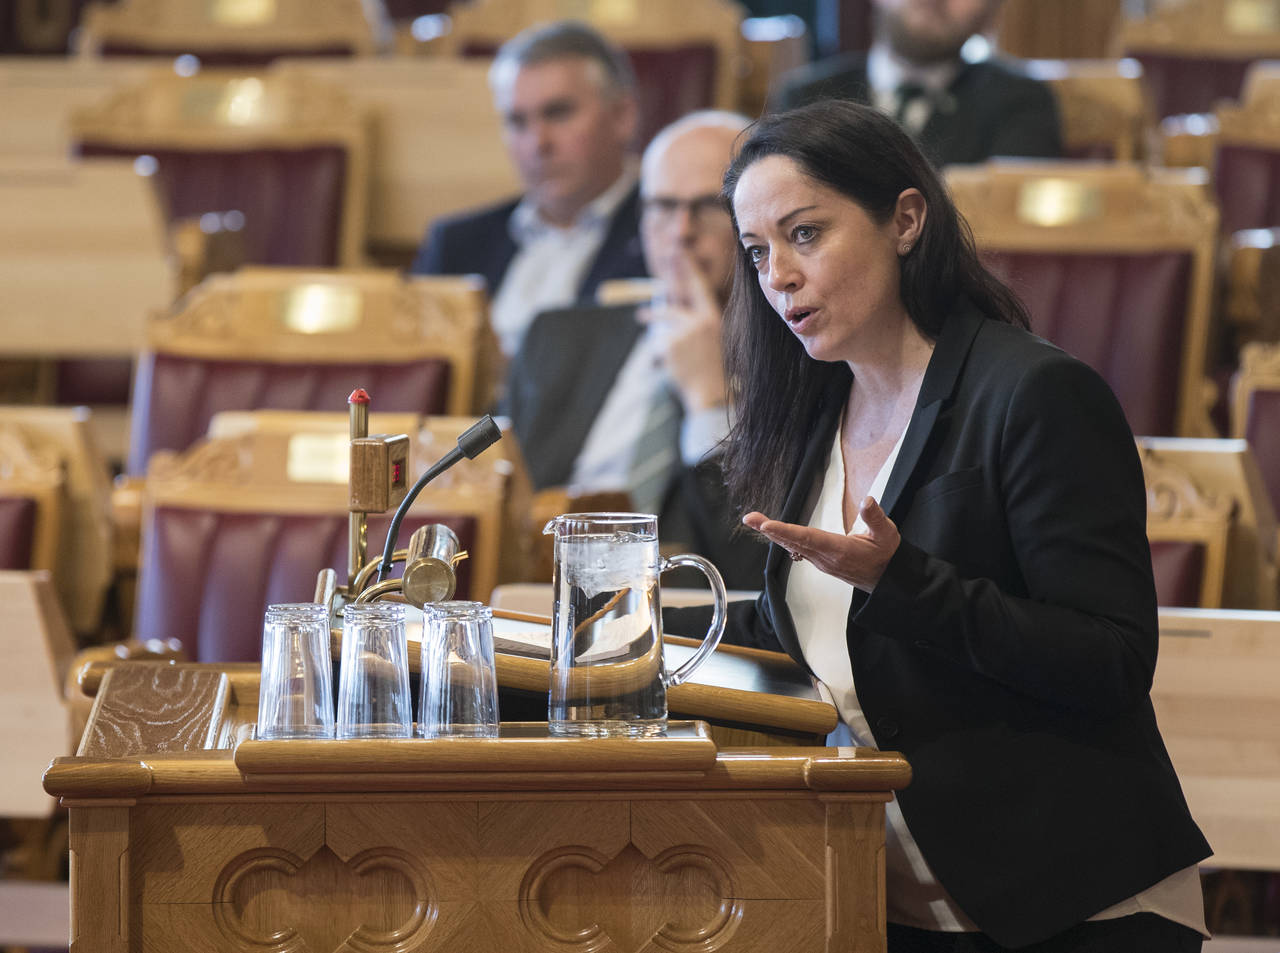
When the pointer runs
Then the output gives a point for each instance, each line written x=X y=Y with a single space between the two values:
x=755 y=254
x=804 y=233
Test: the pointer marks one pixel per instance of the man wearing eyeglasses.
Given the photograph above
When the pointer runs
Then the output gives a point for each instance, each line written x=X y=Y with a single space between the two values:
x=633 y=397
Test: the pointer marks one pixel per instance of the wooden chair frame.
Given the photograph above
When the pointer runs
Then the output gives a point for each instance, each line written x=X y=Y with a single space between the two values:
x=1228 y=469
x=431 y=437
x=1178 y=510
x=1100 y=101
x=1113 y=207
x=33 y=472
x=310 y=316
x=1238 y=29
x=223 y=110
x=244 y=474
x=629 y=23
x=417 y=174
x=265 y=25
x=83 y=570
x=1259 y=370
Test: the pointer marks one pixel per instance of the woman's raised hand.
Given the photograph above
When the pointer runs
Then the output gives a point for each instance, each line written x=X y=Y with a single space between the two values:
x=857 y=558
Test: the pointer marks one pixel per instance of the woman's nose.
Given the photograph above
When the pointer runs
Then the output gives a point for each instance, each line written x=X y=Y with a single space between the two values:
x=783 y=275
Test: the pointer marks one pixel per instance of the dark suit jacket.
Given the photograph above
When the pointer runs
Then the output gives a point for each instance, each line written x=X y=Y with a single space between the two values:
x=993 y=110
x=1008 y=649
x=479 y=243
x=557 y=384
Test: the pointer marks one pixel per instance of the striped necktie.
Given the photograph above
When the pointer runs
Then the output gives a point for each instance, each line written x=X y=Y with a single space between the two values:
x=657 y=451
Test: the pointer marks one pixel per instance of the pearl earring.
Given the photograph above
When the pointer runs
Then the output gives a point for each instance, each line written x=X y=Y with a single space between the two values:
x=906 y=247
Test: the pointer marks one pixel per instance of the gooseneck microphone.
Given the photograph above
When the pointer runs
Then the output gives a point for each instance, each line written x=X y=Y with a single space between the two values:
x=474 y=441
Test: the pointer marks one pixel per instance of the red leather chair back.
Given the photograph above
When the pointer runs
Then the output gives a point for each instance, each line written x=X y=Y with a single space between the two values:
x=1247 y=180
x=1262 y=431
x=291 y=198
x=1124 y=315
x=1179 y=570
x=175 y=397
x=670 y=81
x=207 y=577
x=1190 y=84
x=17 y=531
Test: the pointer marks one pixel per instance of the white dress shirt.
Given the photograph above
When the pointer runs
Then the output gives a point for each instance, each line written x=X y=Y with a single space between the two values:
x=607 y=457
x=819 y=606
x=550 y=261
x=886 y=72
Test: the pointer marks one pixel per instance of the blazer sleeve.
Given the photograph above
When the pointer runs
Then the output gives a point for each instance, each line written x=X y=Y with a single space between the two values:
x=1029 y=124
x=430 y=257
x=1082 y=633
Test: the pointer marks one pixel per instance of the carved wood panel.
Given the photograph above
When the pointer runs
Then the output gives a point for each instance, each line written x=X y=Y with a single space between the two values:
x=730 y=874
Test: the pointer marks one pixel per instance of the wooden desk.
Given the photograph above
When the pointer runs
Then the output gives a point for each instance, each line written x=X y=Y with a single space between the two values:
x=1217 y=699
x=185 y=834
x=38 y=650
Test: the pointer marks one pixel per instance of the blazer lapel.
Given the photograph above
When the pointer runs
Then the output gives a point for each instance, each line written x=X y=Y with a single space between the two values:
x=777 y=567
x=939 y=382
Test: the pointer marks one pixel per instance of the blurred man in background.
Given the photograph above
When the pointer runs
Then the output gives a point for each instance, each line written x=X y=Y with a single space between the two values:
x=569 y=117
x=957 y=109
x=633 y=398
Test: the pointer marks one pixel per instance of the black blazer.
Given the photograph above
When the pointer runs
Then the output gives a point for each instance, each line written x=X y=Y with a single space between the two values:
x=479 y=243
x=556 y=385
x=991 y=109
x=1008 y=649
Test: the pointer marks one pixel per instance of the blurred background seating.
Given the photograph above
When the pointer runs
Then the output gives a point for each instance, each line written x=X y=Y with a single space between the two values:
x=291 y=339
x=1115 y=265
x=238 y=522
x=232 y=32
x=287 y=152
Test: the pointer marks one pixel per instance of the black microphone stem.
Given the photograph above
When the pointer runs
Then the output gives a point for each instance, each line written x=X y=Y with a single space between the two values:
x=477 y=438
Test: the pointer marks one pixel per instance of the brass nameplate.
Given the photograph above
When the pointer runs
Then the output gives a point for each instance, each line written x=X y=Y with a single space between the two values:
x=1055 y=202
x=321 y=309
x=318 y=458
x=242 y=12
x=1252 y=16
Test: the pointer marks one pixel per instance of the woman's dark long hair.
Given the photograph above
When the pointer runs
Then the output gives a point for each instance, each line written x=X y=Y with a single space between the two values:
x=776 y=389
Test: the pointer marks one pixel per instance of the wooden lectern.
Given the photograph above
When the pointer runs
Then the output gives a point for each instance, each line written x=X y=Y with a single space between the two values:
x=188 y=834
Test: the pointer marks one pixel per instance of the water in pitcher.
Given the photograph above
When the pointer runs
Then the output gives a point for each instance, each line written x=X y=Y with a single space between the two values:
x=607 y=644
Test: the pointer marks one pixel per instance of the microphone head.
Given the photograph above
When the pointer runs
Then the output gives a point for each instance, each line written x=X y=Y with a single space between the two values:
x=479 y=437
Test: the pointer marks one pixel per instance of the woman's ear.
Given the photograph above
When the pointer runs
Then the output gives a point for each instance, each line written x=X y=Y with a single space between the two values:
x=909 y=215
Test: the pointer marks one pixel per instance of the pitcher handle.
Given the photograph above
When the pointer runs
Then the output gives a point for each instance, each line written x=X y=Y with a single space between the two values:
x=712 y=637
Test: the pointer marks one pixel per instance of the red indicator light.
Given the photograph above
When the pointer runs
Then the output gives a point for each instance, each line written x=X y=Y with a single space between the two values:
x=397 y=473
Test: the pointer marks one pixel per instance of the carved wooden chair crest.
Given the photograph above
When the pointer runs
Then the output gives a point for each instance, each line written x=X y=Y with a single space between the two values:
x=1188 y=528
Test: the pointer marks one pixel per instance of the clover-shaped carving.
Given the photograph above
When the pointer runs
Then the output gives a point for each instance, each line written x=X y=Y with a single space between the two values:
x=270 y=900
x=576 y=899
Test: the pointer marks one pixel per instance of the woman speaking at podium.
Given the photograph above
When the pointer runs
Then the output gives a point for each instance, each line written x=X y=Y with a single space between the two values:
x=957 y=518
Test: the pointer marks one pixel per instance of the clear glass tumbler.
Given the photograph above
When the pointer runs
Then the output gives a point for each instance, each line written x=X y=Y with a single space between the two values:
x=373 y=684
x=295 y=695
x=459 y=697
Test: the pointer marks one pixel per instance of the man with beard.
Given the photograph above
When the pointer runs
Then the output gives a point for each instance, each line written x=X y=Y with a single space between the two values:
x=958 y=110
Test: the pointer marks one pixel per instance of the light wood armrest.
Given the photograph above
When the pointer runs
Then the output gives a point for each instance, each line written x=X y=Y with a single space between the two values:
x=126 y=518
x=204 y=246
x=1253 y=282
x=1188 y=140
x=85 y=674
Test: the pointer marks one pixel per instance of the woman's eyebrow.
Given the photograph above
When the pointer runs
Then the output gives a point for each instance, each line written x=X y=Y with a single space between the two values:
x=783 y=221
